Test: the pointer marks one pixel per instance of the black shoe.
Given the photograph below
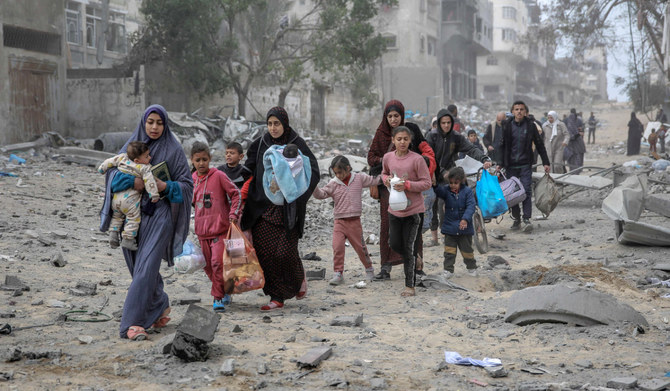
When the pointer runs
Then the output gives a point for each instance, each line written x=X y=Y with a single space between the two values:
x=516 y=225
x=383 y=275
x=527 y=226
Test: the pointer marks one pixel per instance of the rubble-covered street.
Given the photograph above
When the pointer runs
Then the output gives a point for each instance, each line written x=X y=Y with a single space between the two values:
x=58 y=273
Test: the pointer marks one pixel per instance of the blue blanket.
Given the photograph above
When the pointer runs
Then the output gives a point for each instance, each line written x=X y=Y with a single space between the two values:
x=277 y=170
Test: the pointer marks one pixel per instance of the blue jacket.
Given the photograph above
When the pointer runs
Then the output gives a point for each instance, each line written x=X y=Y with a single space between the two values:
x=457 y=207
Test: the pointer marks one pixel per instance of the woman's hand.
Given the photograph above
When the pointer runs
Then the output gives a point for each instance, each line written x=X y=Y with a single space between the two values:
x=232 y=220
x=400 y=186
x=433 y=179
x=487 y=164
x=387 y=182
x=161 y=185
x=139 y=184
x=463 y=225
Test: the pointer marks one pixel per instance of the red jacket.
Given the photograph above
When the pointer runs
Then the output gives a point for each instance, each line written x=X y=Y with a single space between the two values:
x=225 y=203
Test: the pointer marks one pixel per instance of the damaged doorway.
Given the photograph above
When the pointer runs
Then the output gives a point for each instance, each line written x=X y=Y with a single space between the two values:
x=32 y=85
x=318 y=109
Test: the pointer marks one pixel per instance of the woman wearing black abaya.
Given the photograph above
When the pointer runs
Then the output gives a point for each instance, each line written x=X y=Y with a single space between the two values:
x=635 y=132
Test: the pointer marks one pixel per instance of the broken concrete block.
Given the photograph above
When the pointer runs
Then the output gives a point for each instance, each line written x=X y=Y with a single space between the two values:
x=377 y=383
x=315 y=274
x=237 y=329
x=653 y=384
x=662 y=266
x=314 y=356
x=311 y=257
x=228 y=367
x=495 y=260
x=347 y=321
x=84 y=289
x=85 y=339
x=622 y=382
x=564 y=304
x=196 y=330
x=11 y=354
x=584 y=363
x=57 y=260
x=164 y=345
x=498 y=371
x=262 y=368
x=658 y=203
x=13 y=283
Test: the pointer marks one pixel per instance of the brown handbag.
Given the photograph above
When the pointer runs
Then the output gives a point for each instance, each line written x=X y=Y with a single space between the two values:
x=374 y=192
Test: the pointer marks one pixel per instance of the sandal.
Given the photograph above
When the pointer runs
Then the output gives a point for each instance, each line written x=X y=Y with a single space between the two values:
x=408 y=292
x=137 y=333
x=273 y=305
x=163 y=320
x=303 y=290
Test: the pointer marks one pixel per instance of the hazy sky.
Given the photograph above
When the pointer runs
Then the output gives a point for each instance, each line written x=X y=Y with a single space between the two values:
x=617 y=58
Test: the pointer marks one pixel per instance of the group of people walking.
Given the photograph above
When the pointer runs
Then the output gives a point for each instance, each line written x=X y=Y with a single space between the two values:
x=404 y=164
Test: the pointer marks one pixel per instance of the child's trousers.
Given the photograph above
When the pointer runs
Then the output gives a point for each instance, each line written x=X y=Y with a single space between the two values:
x=126 y=209
x=212 y=250
x=462 y=242
x=349 y=228
x=402 y=234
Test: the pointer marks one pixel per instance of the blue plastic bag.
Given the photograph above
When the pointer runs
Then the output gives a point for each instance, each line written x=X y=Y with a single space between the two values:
x=490 y=198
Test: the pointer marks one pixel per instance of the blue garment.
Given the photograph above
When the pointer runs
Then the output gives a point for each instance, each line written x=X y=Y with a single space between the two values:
x=277 y=168
x=123 y=181
x=457 y=206
x=162 y=233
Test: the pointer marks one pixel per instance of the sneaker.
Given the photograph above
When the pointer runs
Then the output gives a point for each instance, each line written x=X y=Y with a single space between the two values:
x=114 y=239
x=527 y=225
x=227 y=299
x=472 y=272
x=218 y=306
x=383 y=275
x=129 y=244
x=337 y=279
x=446 y=274
x=516 y=225
x=370 y=273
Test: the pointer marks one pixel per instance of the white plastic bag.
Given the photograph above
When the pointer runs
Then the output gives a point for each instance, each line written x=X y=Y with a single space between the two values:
x=397 y=199
x=190 y=260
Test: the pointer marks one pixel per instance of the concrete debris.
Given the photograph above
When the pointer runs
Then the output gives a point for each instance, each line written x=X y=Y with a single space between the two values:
x=653 y=384
x=495 y=372
x=662 y=266
x=636 y=232
x=228 y=367
x=314 y=356
x=84 y=289
x=195 y=332
x=13 y=283
x=564 y=304
x=584 y=363
x=358 y=164
x=347 y=321
x=311 y=257
x=58 y=260
x=622 y=383
x=111 y=142
x=313 y=275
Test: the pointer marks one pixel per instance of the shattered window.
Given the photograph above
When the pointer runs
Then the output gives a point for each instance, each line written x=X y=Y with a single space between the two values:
x=93 y=26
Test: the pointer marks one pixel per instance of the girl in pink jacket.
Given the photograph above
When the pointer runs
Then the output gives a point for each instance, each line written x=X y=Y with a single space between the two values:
x=346 y=189
x=213 y=215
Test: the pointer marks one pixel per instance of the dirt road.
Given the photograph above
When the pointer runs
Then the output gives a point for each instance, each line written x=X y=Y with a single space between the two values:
x=399 y=346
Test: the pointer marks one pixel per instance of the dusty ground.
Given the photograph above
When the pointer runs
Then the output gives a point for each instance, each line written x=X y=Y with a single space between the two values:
x=401 y=341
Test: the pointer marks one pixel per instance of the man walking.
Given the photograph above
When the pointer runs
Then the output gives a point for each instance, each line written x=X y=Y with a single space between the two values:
x=519 y=136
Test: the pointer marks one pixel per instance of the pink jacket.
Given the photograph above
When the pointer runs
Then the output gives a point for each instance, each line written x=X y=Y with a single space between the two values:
x=215 y=220
x=412 y=168
x=347 y=198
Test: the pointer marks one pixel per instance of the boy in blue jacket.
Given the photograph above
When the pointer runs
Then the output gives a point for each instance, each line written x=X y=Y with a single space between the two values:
x=459 y=206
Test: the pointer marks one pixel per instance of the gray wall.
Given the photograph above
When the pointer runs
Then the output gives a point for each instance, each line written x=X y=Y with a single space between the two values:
x=101 y=101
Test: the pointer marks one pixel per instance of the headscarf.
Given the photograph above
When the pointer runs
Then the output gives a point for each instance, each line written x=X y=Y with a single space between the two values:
x=282 y=116
x=392 y=105
x=554 y=129
x=169 y=150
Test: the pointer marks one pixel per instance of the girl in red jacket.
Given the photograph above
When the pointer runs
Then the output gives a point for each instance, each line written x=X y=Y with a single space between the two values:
x=213 y=215
x=346 y=189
